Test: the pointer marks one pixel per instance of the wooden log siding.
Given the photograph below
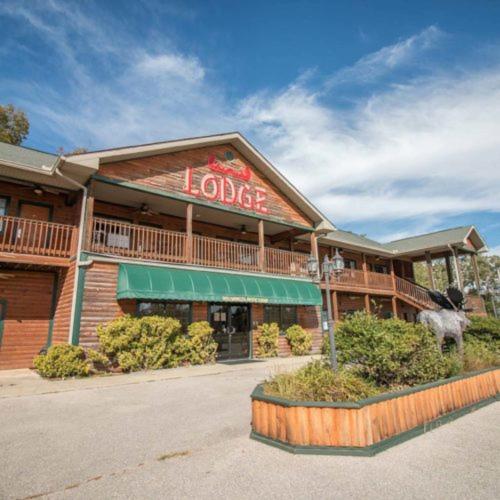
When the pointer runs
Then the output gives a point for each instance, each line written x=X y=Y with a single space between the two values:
x=371 y=421
x=166 y=172
x=35 y=237
x=62 y=316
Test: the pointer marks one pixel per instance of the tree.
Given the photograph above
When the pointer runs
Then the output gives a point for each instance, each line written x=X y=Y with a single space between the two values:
x=14 y=125
x=61 y=151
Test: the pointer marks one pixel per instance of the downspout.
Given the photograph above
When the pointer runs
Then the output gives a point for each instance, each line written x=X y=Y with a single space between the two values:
x=79 y=244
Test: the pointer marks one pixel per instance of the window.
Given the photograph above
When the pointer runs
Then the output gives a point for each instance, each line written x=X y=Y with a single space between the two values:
x=177 y=310
x=4 y=203
x=285 y=316
x=350 y=263
x=379 y=268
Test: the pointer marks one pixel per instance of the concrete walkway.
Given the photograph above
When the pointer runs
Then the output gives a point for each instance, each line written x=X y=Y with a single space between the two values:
x=25 y=382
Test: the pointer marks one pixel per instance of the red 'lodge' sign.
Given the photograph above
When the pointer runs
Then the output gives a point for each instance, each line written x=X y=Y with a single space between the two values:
x=218 y=185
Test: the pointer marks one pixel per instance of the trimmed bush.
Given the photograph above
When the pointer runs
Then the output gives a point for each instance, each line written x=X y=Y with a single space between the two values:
x=267 y=340
x=62 y=361
x=202 y=346
x=149 y=342
x=300 y=340
x=390 y=352
x=153 y=342
x=317 y=382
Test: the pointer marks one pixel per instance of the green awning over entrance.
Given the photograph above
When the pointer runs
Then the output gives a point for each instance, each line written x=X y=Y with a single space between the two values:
x=137 y=281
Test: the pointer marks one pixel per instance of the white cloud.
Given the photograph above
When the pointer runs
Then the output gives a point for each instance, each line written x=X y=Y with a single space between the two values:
x=494 y=251
x=374 y=65
x=187 y=68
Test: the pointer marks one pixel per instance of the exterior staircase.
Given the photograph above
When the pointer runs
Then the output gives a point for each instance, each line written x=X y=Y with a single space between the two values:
x=413 y=294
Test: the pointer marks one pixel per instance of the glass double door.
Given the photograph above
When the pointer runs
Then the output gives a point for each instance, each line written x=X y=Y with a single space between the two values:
x=231 y=324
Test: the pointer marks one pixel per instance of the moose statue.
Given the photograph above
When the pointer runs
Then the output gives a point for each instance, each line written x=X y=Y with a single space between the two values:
x=450 y=320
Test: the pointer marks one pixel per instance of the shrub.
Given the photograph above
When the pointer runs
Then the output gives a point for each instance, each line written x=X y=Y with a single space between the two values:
x=317 y=382
x=149 y=342
x=300 y=340
x=267 y=340
x=484 y=328
x=389 y=352
x=61 y=361
x=202 y=346
x=479 y=354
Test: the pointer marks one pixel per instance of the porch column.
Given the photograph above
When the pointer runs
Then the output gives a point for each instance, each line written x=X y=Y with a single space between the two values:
x=458 y=270
x=395 y=307
x=430 y=272
x=448 y=270
x=475 y=267
x=393 y=275
x=367 y=303
x=335 y=302
x=89 y=216
x=262 y=251
x=365 y=269
x=189 y=232
x=314 y=250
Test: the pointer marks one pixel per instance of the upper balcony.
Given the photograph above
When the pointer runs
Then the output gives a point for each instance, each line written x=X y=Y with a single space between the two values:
x=30 y=241
x=368 y=282
x=136 y=241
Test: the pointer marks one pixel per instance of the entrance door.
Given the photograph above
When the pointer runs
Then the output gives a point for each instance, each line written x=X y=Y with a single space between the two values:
x=231 y=324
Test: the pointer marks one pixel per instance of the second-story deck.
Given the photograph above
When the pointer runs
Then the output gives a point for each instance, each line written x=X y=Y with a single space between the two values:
x=135 y=241
x=29 y=241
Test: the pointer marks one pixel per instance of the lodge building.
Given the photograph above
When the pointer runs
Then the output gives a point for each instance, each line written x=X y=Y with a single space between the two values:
x=199 y=229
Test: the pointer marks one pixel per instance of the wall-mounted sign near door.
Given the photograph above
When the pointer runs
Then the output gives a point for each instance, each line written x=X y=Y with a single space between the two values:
x=228 y=182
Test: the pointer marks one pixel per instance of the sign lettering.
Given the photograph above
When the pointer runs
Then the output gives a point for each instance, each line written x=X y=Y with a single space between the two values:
x=218 y=185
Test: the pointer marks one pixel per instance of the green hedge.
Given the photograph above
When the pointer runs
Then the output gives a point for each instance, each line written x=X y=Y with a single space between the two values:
x=65 y=360
x=267 y=340
x=300 y=340
x=153 y=342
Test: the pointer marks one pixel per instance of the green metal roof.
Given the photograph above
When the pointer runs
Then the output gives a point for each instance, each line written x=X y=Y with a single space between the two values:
x=453 y=236
x=137 y=281
x=26 y=156
x=349 y=238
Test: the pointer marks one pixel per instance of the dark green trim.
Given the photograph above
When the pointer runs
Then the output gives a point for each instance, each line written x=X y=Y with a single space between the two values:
x=75 y=334
x=373 y=449
x=195 y=201
x=258 y=394
x=3 y=313
x=53 y=305
x=37 y=204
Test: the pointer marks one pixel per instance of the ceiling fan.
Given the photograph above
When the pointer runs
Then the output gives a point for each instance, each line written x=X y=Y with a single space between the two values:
x=145 y=209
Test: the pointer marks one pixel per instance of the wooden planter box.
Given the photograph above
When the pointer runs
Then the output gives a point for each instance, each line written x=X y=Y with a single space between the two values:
x=371 y=425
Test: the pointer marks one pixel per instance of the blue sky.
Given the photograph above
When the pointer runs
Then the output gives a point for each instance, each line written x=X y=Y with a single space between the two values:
x=386 y=114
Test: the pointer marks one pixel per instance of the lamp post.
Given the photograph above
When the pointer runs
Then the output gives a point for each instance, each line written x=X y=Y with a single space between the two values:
x=334 y=266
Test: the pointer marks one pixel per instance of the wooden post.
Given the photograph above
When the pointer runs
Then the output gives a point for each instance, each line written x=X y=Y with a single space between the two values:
x=458 y=270
x=475 y=267
x=89 y=216
x=335 y=301
x=367 y=303
x=395 y=307
x=189 y=232
x=314 y=250
x=262 y=250
x=448 y=270
x=430 y=272
x=393 y=275
x=365 y=269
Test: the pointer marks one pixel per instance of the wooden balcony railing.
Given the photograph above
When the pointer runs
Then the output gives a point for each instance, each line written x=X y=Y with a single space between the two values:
x=139 y=242
x=284 y=262
x=35 y=237
x=414 y=292
x=353 y=278
x=142 y=242
x=213 y=252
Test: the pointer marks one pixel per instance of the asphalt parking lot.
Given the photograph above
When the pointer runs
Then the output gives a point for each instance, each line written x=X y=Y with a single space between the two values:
x=188 y=438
